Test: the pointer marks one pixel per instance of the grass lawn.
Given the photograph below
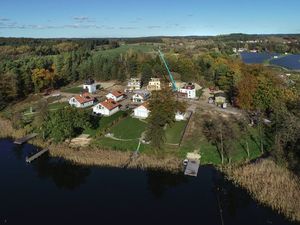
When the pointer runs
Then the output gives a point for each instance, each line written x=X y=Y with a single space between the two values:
x=210 y=154
x=103 y=123
x=174 y=133
x=109 y=143
x=129 y=128
x=57 y=105
x=73 y=90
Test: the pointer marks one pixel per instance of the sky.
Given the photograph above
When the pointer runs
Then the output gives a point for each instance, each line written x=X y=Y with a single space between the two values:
x=140 y=18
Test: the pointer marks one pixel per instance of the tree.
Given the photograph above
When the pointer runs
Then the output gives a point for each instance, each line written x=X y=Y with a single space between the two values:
x=66 y=123
x=163 y=108
x=222 y=134
x=146 y=73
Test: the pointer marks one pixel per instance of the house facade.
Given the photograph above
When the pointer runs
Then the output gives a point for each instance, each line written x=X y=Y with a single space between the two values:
x=116 y=96
x=188 y=90
x=179 y=116
x=154 y=84
x=141 y=111
x=134 y=84
x=90 y=86
x=140 y=96
x=106 y=108
x=81 y=101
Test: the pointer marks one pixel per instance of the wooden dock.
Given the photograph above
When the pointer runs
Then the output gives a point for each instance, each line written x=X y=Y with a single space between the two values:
x=36 y=155
x=192 y=167
x=25 y=139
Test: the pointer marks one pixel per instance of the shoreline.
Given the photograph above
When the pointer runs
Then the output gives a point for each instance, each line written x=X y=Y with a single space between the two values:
x=262 y=178
x=92 y=156
x=269 y=184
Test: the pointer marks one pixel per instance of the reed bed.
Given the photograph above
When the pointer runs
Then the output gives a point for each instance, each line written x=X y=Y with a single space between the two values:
x=270 y=184
x=99 y=157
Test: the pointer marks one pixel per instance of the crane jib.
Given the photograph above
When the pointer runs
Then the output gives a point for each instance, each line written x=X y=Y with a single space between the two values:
x=169 y=72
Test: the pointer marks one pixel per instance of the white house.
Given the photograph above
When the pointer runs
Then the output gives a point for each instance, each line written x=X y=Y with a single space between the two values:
x=188 y=90
x=134 y=84
x=106 y=108
x=140 y=96
x=179 y=116
x=90 y=86
x=116 y=95
x=141 y=111
x=81 y=101
x=154 y=84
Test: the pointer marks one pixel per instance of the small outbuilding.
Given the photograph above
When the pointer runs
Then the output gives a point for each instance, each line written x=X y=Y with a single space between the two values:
x=142 y=111
x=90 y=86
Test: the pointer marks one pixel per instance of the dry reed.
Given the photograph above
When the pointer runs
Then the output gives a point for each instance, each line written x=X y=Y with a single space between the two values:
x=270 y=184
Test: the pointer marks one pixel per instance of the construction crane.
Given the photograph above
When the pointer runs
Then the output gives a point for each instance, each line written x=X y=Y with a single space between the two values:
x=174 y=87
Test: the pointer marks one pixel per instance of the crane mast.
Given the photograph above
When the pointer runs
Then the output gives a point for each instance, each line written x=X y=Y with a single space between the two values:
x=174 y=87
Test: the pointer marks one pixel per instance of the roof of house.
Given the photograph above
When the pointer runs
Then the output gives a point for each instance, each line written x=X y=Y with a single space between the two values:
x=143 y=93
x=189 y=86
x=110 y=104
x=220 y=94
x=117 y=93
x=89 y=81
x=145 y=105
x=83 y=98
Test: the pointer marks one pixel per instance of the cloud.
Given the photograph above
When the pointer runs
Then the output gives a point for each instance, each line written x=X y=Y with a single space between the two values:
x=83 y=19
x=127 y=28
x=154 y=27
x=136 y=20
x=190 y=15
x=3 y=19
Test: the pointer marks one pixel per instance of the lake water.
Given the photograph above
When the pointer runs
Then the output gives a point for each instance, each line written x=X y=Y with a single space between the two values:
x=291 y=62
x=53 y=191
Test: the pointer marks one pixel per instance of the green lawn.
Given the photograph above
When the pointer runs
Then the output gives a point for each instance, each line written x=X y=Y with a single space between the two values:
x=129 y=128
x=174 y=133
x=72 y=90
x=104 y=123
x=210 y=154
x=57 y=105
x=108 y=143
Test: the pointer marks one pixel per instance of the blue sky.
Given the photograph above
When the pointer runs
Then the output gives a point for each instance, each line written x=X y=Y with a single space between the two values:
x=135 y=18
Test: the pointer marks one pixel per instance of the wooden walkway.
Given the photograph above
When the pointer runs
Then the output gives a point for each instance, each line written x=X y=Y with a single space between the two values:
x=192 y=167
x=25 y=139
x=36 y=155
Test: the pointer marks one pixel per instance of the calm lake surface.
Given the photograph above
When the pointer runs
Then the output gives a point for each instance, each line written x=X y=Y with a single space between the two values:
x=291 y=61
x=53 y=191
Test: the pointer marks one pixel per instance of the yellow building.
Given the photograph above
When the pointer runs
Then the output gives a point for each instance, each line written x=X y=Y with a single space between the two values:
x=154 y=84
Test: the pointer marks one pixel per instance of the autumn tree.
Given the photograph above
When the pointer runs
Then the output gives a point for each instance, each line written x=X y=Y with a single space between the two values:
x=163 y=107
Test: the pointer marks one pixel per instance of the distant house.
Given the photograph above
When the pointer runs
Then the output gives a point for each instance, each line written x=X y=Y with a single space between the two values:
x=188 y=90
x=106 y=108
x=179 y=116
x=220 y=98
x=90 y=86
x=154 y=84
x=134 y=84
x=116 y=95
x=140 y=96
x=82 y=101
x=142 y=111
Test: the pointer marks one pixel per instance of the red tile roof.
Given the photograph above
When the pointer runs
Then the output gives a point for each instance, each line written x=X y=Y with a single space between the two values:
x=110 y=104
x=117 y=93
x=85 y=97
